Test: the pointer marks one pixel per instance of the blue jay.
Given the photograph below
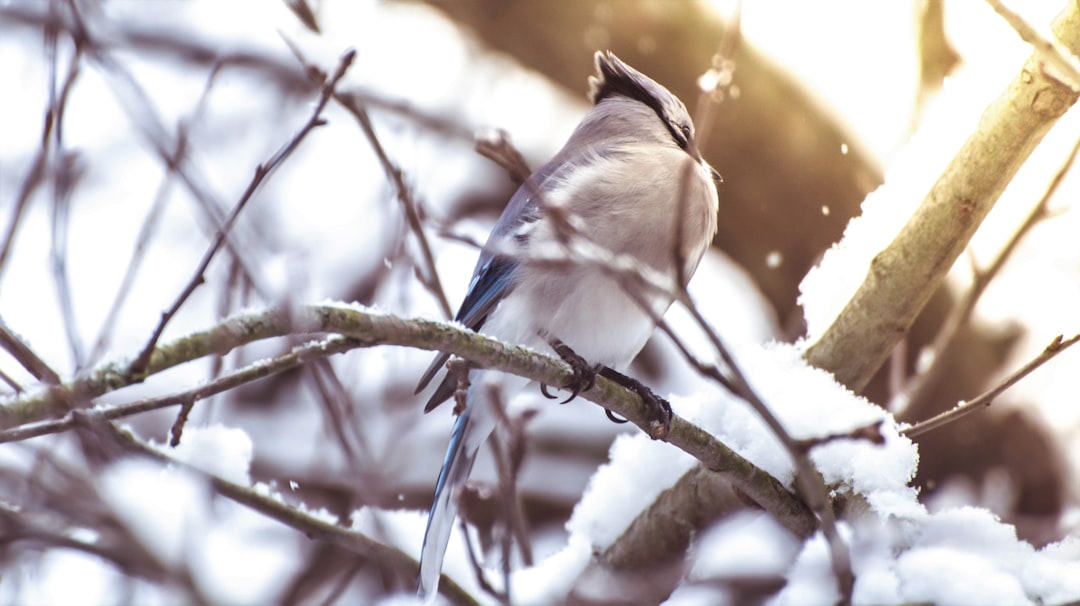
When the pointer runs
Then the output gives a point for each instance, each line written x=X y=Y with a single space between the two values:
x=620 y=177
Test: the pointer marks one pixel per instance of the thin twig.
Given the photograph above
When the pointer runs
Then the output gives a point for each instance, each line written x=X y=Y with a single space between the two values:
x=262 y=172
x=1065 y=66
x=11 y=382
x=64 y=175
x=508 y=455
x=477 y=567
x=337 y=407
x=987 y=398
x=495 y=145
x=26 y=356
x=354 y=106
x=141 y=112
x=152 y=219
x=385 y=557
x=53 y=114
x=810 y=483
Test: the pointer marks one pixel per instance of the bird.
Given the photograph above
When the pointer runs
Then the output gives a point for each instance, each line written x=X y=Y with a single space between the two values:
x=632 y=181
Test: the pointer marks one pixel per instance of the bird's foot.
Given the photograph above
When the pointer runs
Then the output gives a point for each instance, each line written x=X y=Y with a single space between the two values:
x=584 y=373
x=659 y=415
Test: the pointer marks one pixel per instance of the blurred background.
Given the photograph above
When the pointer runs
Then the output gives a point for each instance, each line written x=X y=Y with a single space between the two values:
x=162 y=111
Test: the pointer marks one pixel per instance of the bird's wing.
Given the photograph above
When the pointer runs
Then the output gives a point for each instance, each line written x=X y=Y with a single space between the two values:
x=493 y=277
x=491 y=283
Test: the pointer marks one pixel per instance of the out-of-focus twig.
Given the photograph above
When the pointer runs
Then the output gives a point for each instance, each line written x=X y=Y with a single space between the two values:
x=26 y=356
x=386 y=558
x=352 y=104
x=937 y=57
x=53 y=116
x=494 y=144
x=304 y=14
x=141 y=111
x=150 y=223
x=262 y=172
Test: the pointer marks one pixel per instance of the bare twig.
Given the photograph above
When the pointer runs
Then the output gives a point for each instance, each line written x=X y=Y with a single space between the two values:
x=64 y=176
x=262 y=172
x=870 y=433
x=53 y=117
x=153 y=217
x=987 y=398
x=1063 y=62
x=809 y=482
x=478 y=568
x=304 y=14
x=12 y=383
x=386 y=558
x=177 y=429
x=495 y=145
x=354 y=106
x=26 y=356
x=141 y=112
x=338 y=407
x=508 y=447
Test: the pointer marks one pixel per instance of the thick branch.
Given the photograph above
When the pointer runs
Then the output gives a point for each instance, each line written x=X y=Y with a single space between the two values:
x=904 y=275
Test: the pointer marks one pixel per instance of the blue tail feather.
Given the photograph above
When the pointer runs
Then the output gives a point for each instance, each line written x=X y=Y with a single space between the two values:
x=455 y=470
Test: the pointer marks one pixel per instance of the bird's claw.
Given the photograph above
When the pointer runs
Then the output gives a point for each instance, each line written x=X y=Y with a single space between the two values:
x=660 y=413
x=584 y=374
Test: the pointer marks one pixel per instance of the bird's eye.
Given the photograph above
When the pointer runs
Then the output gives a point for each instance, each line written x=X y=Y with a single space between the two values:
x=685 y=128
